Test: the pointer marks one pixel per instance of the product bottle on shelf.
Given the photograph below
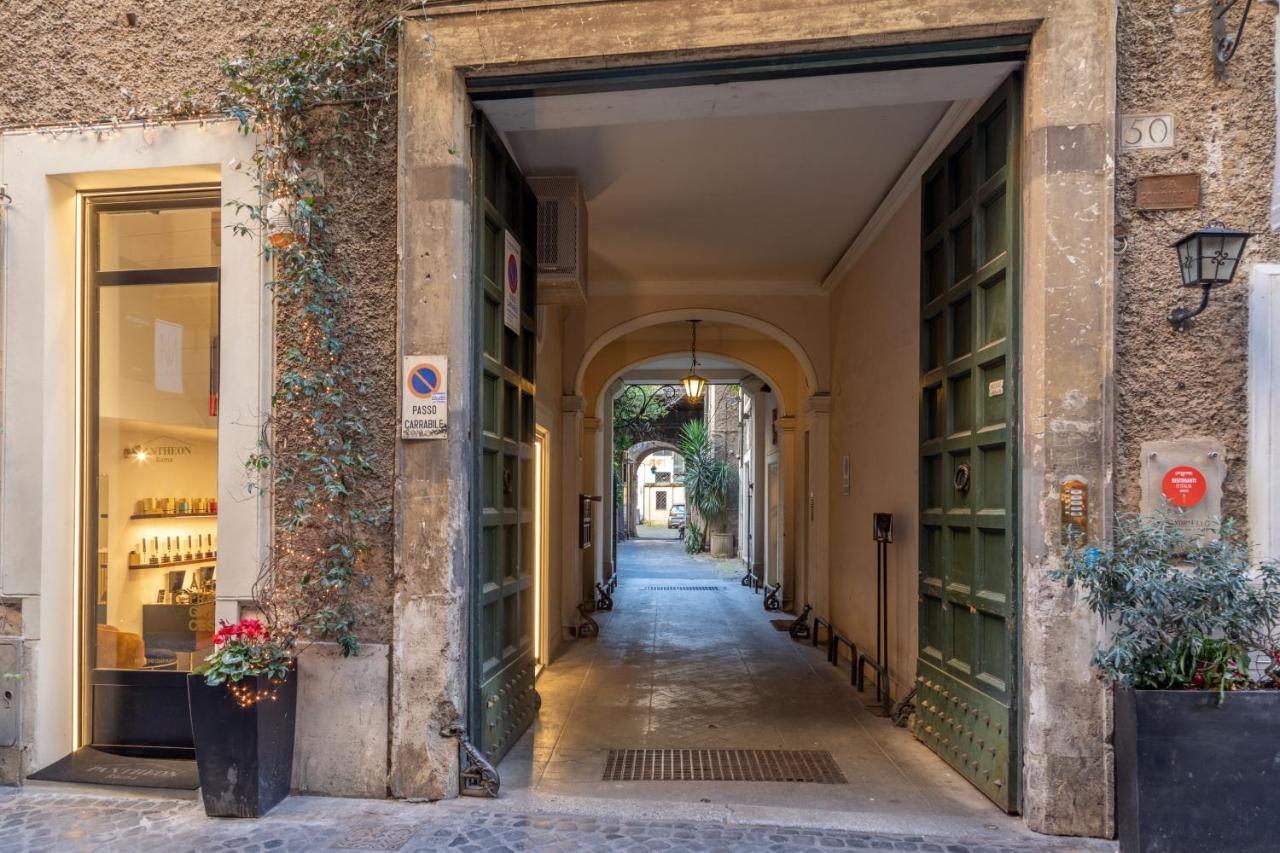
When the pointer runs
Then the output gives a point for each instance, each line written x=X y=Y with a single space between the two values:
x=187 y=554
x=133 y=558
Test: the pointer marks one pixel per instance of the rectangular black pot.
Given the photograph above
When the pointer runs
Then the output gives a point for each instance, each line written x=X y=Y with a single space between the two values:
x=245 y=755
x=1193 y=775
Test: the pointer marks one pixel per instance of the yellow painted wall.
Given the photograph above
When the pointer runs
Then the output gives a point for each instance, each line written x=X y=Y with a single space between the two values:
x=875 y=373
x=549 y=378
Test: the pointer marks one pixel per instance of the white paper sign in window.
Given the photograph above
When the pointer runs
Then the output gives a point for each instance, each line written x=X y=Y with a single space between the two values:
x=168 y=357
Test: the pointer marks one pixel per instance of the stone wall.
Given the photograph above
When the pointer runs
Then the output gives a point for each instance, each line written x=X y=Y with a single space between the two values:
x=1171 y=385
x=71 y=62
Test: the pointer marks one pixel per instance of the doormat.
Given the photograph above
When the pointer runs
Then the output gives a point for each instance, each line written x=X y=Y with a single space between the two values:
x=681 y=588
x=781 y=624
x=89 y=766
x=722 y=765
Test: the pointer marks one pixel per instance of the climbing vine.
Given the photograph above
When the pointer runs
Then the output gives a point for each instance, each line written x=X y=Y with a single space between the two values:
x=326 y=100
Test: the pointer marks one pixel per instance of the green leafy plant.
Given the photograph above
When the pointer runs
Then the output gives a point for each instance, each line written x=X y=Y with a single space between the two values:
x=323 y=100
x=708 y=481
x=1182 y=613
x=693 y=537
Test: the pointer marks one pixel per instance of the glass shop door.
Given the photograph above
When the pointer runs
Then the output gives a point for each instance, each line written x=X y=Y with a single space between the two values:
x=149 y=463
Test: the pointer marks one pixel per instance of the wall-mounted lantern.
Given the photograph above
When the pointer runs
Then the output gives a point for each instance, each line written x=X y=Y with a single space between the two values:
x=1225 y=44
x=1207 y=258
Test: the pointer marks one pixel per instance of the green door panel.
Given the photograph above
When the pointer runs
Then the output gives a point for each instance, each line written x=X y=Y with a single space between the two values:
x=502 y=701
x=966 y=673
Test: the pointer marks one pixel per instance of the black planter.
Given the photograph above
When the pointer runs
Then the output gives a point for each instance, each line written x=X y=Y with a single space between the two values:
x=1193 y=775
x=245 y=755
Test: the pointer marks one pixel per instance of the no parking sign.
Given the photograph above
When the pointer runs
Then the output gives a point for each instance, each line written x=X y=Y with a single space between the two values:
x=424 y=395
x=511 y=283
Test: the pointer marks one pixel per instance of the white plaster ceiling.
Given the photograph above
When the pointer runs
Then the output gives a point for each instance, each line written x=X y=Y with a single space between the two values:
x=762 y=181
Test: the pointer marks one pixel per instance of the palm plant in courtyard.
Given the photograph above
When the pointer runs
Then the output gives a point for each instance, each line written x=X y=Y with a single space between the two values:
x=708 y=482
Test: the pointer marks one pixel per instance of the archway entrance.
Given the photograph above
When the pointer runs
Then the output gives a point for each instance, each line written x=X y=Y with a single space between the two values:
x=672 y=652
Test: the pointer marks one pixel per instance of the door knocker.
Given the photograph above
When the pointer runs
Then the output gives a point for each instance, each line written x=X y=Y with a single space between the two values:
x=961 y=478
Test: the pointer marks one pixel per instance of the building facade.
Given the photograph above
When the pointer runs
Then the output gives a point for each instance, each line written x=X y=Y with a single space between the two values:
x=949 y=304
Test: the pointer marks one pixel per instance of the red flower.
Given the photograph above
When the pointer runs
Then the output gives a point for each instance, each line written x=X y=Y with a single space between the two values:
x=246 y=630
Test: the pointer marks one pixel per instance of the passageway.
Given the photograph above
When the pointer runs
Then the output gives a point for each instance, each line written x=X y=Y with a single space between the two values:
x=689 y=659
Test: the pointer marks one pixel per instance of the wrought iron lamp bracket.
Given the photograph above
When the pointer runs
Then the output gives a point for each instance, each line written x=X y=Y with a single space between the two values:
x=1181 y=318
x=1225 y=42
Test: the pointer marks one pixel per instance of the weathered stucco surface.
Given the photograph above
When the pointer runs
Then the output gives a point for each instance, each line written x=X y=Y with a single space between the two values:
x=1169 y=384
x=78 y=62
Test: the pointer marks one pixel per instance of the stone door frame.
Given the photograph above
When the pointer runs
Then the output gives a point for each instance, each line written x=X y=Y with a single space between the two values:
x=1067 y=324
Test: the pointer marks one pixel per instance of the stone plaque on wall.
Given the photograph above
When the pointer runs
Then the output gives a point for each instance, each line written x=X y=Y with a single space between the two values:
x=1167 y=192
x=1185 y=478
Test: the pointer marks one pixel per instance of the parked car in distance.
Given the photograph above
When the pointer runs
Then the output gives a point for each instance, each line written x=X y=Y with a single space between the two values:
x=676 y=517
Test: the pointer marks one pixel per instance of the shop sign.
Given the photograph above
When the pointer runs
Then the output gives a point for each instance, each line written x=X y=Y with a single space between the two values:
x=424 y=386
x=1184 y=486
x=511 y=283
x=1184 y=480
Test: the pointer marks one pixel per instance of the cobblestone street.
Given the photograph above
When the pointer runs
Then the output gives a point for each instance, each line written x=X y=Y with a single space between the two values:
x=40 y=821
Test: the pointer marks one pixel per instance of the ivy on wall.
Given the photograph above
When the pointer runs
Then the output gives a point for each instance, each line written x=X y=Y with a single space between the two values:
x=327 y=98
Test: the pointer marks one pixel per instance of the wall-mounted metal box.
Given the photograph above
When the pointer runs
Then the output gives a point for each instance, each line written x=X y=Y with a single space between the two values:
x=10 y=690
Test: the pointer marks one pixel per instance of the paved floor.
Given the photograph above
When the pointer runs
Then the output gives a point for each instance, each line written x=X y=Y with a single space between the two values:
x=655 y=531
x=671 y=668
x=706 y=668
x=38 y=822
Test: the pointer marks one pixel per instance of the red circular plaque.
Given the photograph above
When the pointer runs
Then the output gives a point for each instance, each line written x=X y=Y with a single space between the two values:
x=1184 y=486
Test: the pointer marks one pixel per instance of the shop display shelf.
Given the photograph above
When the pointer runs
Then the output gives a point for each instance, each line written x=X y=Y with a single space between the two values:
x=163 y=564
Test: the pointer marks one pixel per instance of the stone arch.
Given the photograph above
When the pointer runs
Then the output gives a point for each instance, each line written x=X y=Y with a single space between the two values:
x=677 y=315
x=786 y=405
x=639 y=451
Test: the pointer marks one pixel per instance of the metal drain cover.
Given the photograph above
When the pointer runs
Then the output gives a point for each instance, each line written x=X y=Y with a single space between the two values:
x=722 y=765
x=681 y=588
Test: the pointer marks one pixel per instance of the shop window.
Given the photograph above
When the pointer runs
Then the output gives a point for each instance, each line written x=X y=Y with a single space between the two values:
x=150 y=454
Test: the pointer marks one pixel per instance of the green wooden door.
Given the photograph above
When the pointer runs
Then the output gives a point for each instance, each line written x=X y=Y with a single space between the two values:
x=967 y=666
x=502 y=699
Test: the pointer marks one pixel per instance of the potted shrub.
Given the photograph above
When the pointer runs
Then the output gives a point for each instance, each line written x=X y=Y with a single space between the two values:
x=243 y=706
x=1191 y=651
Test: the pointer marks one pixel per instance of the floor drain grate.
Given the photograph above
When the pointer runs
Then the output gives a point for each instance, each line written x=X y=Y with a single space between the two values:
x=681 y=588
x=722 y=765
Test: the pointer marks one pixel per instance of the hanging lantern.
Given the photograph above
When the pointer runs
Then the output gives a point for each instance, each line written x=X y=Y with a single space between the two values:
x=694 y=384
